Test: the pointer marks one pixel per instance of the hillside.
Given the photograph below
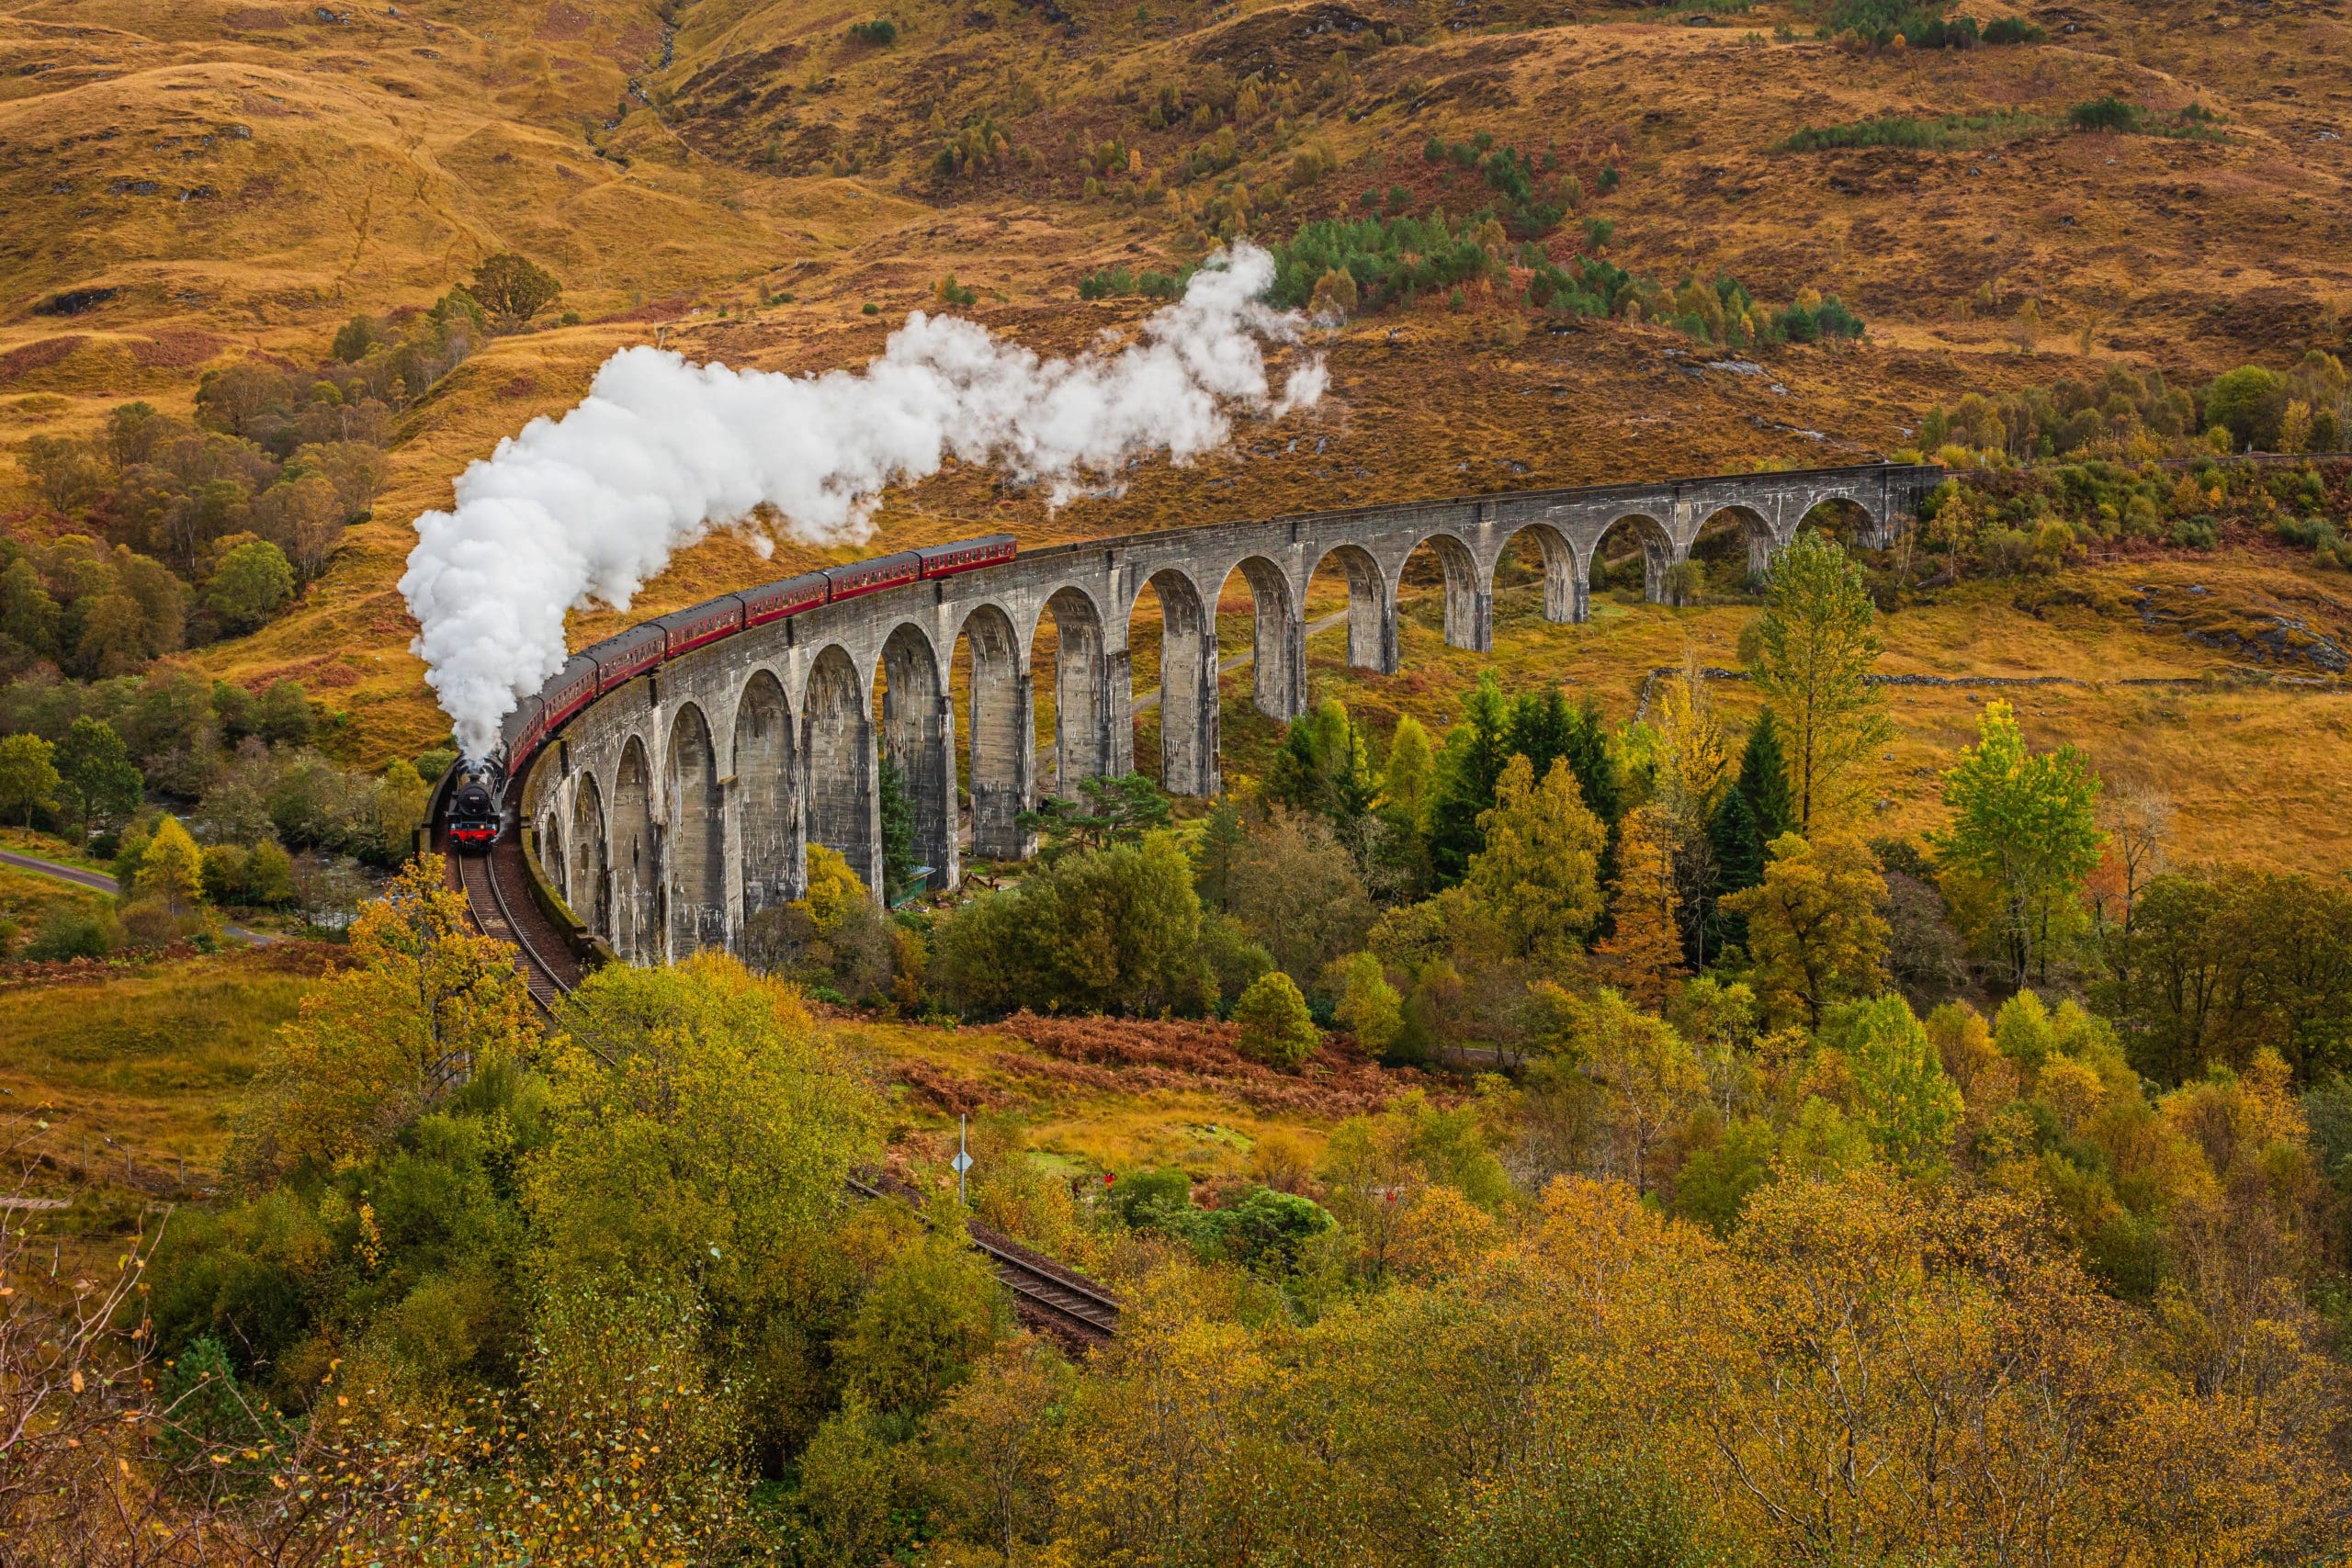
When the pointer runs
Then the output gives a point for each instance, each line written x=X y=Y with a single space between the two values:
x=192 y=186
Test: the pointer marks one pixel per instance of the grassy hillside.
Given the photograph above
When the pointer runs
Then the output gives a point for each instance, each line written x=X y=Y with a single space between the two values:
x=189 y=186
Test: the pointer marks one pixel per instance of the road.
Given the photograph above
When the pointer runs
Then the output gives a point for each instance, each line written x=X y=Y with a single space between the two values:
x=99 y=881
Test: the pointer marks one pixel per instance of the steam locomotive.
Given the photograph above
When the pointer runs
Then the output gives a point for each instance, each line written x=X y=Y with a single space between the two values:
x=476 y=812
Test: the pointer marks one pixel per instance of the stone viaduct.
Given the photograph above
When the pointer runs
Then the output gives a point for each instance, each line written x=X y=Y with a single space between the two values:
x=674 y=808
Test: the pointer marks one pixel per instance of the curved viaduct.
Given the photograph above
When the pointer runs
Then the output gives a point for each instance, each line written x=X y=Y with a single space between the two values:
x=677 y=806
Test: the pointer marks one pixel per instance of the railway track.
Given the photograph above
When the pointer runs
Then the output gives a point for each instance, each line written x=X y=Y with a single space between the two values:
x=503 y=909
x=1046 y=1297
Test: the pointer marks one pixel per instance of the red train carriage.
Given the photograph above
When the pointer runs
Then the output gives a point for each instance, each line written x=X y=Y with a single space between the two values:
x=873 y=576
x=967 y=555
x=622 y=658
x=570 y=691
x=773 y=601
x=703 y=622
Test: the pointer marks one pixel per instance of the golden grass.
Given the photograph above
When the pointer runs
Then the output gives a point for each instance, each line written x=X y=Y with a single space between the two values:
x=153 y=1058
x=1209 y=1135
x=387 y=153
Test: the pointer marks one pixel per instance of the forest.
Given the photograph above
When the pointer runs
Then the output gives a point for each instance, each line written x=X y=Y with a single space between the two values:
x=1738 y=1190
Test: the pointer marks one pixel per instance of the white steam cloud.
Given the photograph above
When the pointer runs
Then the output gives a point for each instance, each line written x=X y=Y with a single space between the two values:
x=587 y=507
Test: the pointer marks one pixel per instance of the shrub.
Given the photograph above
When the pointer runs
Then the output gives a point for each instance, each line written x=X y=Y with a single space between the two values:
x=2109 y=113
x=955 y=295
x=75 y=931
x=881 y=32
x=2194 y=534
x=2013 y=30
x=1275 y=1026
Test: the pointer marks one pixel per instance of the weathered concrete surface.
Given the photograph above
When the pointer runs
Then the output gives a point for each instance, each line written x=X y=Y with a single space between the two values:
x=683 y=801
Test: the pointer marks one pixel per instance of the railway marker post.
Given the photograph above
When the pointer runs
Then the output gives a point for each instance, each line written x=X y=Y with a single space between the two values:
x=963 y=1160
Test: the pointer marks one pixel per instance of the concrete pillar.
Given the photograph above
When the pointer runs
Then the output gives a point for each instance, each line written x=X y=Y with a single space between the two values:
x=841 y=776
x=1372 y=636
x=1656 y=557
x=765 y=823
x=1469 y=611
x=1279 y=660
x=1562 y=584
x=1080 y=742
x=696 y=884
x=1579 y=598
x=935 y=836
x=1188 y=698
x=1004 y=750
x=1118 y=713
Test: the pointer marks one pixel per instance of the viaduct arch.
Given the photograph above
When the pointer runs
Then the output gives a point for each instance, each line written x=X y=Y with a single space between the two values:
x=679 y=805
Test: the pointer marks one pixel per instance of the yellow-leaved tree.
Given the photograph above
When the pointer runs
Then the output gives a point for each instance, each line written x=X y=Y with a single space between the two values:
x=1647 y=943
x=1539 y=875
x=427 y=1001
x=1813 y=926
x=164 y=901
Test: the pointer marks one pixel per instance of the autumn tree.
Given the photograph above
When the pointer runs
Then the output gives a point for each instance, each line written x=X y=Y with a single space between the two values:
x=1369 y=1006
x=1002 y=1442
x=1653 y=1079
x=1406 y=773
x=1690 y=764
x=2024 y=825
x=1900 y=1089
x=1814 y=927
x=1539 y=872
x=1646 y=943
x=1817 y=643
x=97 y=783
x=427 y=1002
x=253 y=582
x=1275 y=1027
x=28 y=777
x=513 y=288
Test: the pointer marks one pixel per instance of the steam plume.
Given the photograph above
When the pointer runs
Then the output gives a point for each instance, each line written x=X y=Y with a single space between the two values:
x=587 y=507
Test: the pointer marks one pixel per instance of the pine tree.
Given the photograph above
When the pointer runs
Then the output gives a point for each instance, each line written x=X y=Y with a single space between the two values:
x=1754 y=811
x=1539 y=725
x=1220 y=843
x=1586 y=752
x=1647 y=941
x=1472 y=762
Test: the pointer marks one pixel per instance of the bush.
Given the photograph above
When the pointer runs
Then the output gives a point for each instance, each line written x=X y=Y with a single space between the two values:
x=1266 y=1231
x=1275 y=1026
x=1114 y=931
x=2105 y=114
x=75 y=931
x=1148 y=1200
x=2194 y=534
x=881 y=32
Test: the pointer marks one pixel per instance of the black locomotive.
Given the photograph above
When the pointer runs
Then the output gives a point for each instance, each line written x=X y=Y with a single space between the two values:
x=474 y=808
x=476 y=802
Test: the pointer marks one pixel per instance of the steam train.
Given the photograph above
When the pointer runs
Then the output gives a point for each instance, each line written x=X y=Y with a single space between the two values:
x=477 y=811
